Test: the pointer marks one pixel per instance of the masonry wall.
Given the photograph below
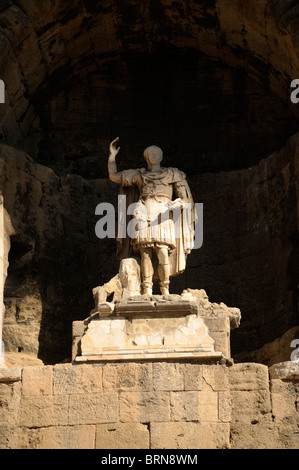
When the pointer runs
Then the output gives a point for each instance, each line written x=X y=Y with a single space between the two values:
x=147 y=406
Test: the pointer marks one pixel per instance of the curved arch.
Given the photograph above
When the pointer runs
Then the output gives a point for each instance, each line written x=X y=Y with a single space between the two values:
x=47 y=47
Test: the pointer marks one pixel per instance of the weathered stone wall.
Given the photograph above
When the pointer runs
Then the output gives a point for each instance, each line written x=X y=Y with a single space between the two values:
x=148 y=406
x=6 y=231
x=249 y=257
x=53 y=252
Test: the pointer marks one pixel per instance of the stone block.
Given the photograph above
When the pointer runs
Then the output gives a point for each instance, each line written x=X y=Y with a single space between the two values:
x=282 y=387
x=12 y=374
x=19 y=336
x=127 y=376
x=8 y=437
x=189 y=435
x=221 y=342
x=288 y=370
x=207 y=406
x=44 y=411
x=144 y=407
x=58 y=437
x=122 y=436
x=192 y=376
x=224 y=406
x=282 y=408
x=249 y=406
x=75 y=379
x=288 y=437
x=216 y=377
x=219 y=330
x=37 y=381
x=93 y=408
x=22 y=360
x=10 y=396
x=168 y=376
x=284 y=396
x=184 y=406
x=249 y=376
x=194 y=406
x=217 y=324
x=257 y=435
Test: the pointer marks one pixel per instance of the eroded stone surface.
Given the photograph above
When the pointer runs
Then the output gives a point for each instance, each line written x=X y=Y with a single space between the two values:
x=285 y=370
x=166 y=328
x=37 y=381
x=58 y=437
x=122 y=436
x=157 y=326
x=189 y=436
x=149 y=405
x=8 y=374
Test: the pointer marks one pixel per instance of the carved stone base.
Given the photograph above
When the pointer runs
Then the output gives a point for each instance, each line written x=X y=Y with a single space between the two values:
x=150 y=354
x=155 y=327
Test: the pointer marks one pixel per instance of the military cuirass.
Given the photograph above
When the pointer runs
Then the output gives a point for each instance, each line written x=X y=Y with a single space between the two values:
x=153 y=187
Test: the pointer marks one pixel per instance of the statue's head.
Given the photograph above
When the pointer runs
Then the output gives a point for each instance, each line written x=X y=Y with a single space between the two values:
x=153 y=155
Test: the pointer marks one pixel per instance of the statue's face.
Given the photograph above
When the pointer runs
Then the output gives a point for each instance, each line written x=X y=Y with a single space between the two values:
x=153 y=155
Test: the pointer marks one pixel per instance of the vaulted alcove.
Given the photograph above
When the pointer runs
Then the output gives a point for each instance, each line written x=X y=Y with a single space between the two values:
x=209 y=82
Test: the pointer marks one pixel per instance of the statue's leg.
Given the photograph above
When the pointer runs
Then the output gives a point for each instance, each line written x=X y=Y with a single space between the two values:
x=147 y=271
x=163 y=269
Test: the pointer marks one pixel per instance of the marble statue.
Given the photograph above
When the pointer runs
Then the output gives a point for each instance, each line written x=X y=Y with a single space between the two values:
x=162 y=247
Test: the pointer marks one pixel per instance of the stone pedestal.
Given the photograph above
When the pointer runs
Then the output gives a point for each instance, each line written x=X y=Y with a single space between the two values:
x=156 y=327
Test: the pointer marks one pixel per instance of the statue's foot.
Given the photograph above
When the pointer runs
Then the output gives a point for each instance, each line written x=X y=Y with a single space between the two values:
x=164 y=287
x=147 y=287
x=164 y=291
x=147 y=291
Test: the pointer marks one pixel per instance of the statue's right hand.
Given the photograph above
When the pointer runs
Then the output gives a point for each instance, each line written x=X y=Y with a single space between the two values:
x=113 y=147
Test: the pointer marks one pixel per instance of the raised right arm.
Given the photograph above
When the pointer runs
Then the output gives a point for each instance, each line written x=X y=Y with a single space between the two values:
x=114 y=175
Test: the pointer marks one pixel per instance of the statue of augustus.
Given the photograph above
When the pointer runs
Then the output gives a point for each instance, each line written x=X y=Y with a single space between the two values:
x=163 y=245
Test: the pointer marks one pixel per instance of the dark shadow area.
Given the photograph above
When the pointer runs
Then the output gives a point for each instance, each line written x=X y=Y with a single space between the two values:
x=206 y=116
